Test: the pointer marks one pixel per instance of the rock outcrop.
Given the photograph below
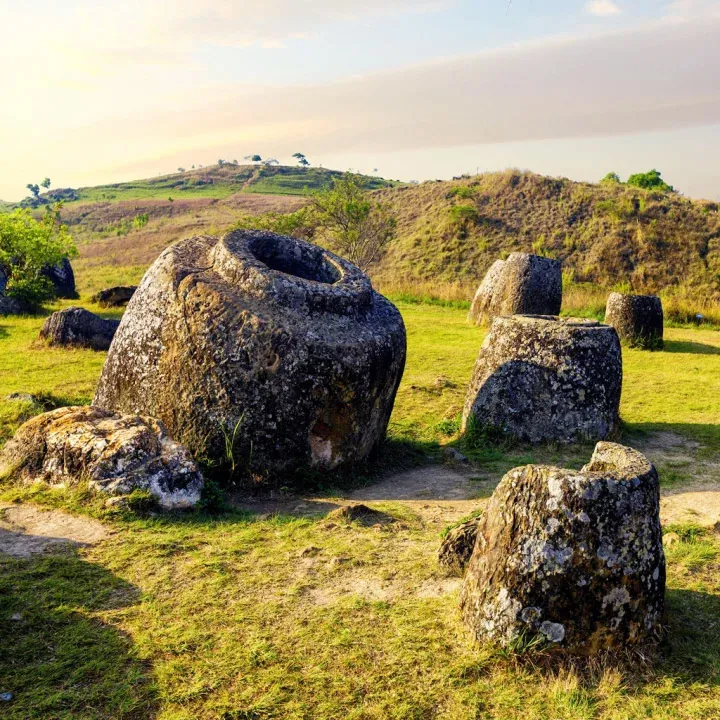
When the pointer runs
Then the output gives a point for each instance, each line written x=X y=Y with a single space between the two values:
x=522 y=284
x=260 y=347
x=113 y=453
x=63 y=278
x=638 y=319
x=117 y=296
x=457 y=546
x=572 y=558
x=546 y=378
x=77 y=327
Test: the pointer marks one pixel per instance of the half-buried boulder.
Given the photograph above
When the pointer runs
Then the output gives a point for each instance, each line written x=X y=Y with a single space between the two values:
x=63 y=279
x=77 y=327
x=572 y=558
x=457 y=546
x=522 y=284
x=546 y=378
x=638 y=319
x=113 y=453
x=117 y=296
x=259 y=349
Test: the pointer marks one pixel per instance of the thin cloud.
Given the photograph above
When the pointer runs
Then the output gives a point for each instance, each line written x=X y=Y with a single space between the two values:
x=602 y=8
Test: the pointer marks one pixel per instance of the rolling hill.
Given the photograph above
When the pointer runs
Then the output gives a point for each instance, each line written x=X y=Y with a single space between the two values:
x=607 y=235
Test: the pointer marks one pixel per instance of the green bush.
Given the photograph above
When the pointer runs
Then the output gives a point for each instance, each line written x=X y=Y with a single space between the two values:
x=27 y=246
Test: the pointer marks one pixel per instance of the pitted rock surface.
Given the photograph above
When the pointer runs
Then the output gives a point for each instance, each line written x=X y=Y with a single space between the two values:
x=638 y=319
x=457 y=547
x=63 y=278
x=547 y=378
x=77 y=327
x=573 y=557
x=266 y=339
x=117 y=296
x=522 y=284
x=113 y=453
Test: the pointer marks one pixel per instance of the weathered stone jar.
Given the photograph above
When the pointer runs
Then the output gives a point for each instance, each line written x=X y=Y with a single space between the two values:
x=259 y=350
x=522 y=284
x=638 y=319
x=547 y=378
x=574 y=558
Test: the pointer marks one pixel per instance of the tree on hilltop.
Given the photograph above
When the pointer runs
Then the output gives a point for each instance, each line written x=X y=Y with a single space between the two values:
x=34 y=190
x=302 y=160
x=650 y=180
x=253 y=158
x=46 y=183
x=612 y=177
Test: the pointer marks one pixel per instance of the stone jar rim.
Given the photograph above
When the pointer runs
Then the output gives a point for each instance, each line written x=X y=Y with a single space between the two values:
x=291 y=272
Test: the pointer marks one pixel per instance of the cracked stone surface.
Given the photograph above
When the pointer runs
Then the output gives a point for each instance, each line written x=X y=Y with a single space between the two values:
x=546 y=378
x=574 y=557
x=522 y=284
x=260 y=345
x=113 y=453
x=638 y=319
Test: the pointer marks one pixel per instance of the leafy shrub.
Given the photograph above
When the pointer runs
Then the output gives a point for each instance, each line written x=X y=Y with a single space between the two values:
x=27 y=246
x=650 y=180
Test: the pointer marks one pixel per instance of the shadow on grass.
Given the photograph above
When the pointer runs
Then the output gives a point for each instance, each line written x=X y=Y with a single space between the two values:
x=692 y=649
x=693 y=348
x=55 y=659
x=655 y=434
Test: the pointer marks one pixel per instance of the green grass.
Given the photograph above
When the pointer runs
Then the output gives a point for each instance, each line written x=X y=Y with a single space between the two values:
x=248 y=616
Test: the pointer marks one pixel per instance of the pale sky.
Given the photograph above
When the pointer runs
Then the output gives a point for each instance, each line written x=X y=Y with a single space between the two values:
x=105 y=91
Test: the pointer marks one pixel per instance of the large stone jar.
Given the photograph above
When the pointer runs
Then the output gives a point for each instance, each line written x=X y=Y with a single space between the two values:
x=572 y=558
x=638 y=319
x=260 y=351
x=522 y=284
x=547 y=378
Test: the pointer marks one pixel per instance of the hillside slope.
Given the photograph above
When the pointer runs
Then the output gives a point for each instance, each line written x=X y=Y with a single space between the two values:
x=606 y=234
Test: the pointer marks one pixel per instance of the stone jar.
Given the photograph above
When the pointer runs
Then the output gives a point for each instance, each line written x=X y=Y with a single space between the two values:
x=638 y=319
x=546 y=378
x=572 y=558
x=260 y=352
x=522 y=284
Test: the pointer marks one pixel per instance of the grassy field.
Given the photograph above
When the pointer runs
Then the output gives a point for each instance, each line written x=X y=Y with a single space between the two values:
x=293 y=615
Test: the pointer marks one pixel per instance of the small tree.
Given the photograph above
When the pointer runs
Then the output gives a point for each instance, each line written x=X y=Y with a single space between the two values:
x=611 y=177
x=34 y=190
x=302 y=160
x=650 y=180
x=220 y=162
x=351 y=223
x=27 y=246
x=46 y=183
x=253 y=158
x=270 y=161
x=181 y=169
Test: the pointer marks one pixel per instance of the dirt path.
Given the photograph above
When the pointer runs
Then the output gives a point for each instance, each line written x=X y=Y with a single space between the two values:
x=26 y=530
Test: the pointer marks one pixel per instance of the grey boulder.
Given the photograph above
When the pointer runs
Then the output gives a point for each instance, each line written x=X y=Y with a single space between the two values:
x=113 y=453
x=77 y=327
x=117 y=296
x=63 y=279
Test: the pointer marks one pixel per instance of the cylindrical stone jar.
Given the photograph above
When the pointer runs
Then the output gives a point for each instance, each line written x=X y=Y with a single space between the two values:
x=638 y=319
x=522 y=284
x=541 y=378
x=260 y=352
x=572 y=558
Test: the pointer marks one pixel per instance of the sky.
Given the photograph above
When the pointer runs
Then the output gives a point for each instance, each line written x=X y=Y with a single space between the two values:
x=106 y=91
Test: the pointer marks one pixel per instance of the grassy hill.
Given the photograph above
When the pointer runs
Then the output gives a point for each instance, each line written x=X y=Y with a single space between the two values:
x=215 y=181
x=606 y=234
